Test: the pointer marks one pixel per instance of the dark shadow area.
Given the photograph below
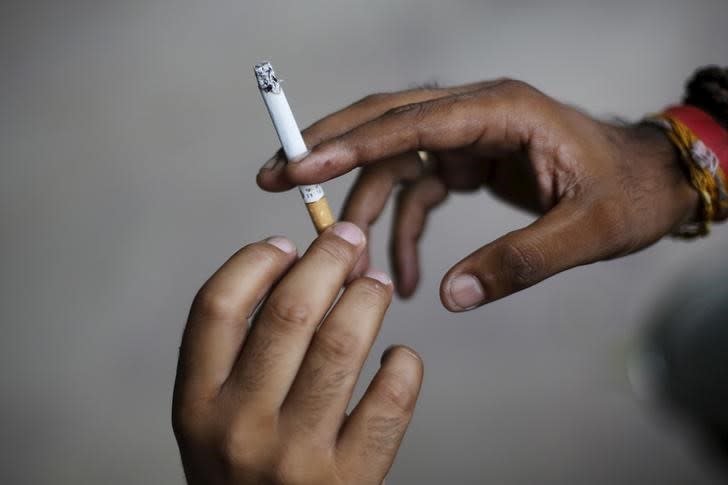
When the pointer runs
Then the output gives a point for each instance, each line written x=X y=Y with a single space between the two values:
x=687 y=345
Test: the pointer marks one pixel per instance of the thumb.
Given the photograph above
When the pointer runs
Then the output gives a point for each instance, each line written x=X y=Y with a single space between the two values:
x=571 y=234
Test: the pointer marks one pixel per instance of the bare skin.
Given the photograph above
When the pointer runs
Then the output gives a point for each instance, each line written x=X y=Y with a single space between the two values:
x=267 y=403
x=601 y=190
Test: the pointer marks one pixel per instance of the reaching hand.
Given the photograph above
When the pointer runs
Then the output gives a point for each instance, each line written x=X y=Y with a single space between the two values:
x=603 y=190
x=267 y=404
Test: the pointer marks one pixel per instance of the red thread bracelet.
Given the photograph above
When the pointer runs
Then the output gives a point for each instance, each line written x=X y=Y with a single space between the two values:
x=706 y=128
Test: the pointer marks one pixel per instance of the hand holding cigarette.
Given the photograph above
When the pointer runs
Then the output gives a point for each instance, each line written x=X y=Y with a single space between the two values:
x=602 y=190
x=292 y=142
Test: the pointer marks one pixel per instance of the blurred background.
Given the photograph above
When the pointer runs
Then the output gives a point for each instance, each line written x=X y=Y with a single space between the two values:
x=130 y=136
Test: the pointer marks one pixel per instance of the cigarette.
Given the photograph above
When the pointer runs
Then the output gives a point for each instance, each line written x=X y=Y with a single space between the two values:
x=291 y=141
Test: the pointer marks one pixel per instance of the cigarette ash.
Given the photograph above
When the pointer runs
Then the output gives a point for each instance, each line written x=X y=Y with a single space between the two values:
x=267 y=79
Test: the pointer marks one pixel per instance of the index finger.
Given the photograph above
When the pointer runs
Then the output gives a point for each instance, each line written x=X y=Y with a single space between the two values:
x=218 y=320
x=272 y=177
x=482 y=117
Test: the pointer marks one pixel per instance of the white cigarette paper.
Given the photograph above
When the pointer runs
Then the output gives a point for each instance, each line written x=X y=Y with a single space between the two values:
x=284 y=123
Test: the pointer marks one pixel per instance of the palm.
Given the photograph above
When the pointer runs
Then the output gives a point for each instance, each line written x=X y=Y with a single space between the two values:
x=508 y=177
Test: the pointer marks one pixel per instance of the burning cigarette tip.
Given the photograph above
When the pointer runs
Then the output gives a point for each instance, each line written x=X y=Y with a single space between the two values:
x=267 y=79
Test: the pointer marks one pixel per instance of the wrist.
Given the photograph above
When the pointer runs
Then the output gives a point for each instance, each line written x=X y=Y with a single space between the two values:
x=686 y=198
x=682 y=200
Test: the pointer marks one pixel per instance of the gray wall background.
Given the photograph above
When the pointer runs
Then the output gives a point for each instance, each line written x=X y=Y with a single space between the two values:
x=130 y=135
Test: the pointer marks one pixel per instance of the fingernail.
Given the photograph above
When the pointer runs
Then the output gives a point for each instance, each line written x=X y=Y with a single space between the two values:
x=299 y=158
x=380 y=276
x=388 y=352
x=466 y=291
x=349 y=233
x=282 y=243
x=272 y=163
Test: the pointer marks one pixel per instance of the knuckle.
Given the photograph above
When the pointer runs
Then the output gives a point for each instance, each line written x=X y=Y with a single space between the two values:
x=521 y=94
x=284 y=470
x=416 y=110
x=214 y=304
x=254 y=450
x=524 y=262
x=384 y=433
x=247 y=442
x=336 y=251
x=235 y=451
x=301 y=463
x=338 y=347
x=288 y=313
x=396 y=394
x=517 y=87
x=374 y=98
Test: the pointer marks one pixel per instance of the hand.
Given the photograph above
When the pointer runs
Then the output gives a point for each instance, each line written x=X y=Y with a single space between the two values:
x=267 y=404
x=604 y=190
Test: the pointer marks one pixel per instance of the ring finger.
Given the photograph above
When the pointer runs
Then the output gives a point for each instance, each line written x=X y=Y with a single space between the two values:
x=324 y=385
